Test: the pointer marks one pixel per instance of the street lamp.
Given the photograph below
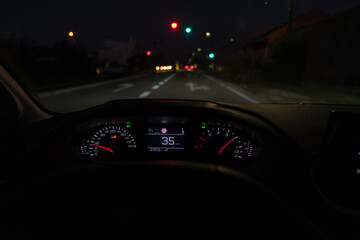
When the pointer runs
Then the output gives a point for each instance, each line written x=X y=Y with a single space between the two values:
x=72 y=38
x=199 y=49
x=208 y=34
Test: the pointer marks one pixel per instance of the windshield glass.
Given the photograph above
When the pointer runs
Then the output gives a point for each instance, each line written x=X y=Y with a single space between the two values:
x=72 y=55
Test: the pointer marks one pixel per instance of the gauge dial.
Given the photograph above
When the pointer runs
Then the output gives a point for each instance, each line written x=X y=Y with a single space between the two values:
x=109 y=143
x=224 y=142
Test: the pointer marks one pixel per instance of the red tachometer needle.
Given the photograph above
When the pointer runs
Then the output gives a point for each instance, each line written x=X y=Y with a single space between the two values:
x=104 y=148
x=226 y=144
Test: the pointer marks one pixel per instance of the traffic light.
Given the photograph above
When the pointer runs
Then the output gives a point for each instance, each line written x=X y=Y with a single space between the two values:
x=148 y=53
x=188 y=30
x=211 y=55
x=174 y=25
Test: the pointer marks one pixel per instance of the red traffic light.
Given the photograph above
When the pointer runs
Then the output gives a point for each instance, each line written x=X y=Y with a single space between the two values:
x=174 y=25
x=192 y=67
x=148 y=53
x=186 y=67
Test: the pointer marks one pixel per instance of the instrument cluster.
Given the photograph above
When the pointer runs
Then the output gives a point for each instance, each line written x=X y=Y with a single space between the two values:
x=168 y=138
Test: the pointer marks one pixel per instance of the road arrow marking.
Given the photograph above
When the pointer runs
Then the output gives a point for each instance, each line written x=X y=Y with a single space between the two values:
x=194 y=87
x=123 y=87
x=63 y=90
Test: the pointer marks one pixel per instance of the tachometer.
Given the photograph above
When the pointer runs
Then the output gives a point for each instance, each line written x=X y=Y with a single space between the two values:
x=111 y=142
x=224 y=142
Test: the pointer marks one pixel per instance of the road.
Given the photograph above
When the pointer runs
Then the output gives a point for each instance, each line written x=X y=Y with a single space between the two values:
x=181 y=85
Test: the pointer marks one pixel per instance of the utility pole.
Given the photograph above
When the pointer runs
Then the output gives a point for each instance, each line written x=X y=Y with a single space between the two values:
x=290 y=11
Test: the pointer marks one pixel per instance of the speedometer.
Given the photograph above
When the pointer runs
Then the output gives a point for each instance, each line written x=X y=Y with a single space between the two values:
x=226 y=143
x=109 y=143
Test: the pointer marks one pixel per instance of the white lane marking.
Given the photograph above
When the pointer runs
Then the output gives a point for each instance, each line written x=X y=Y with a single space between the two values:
x=145 y=94
x=232 y=90
x=85 y=86
x=163 y=82
x=123 y=87
x=194 y=87
x=169 y=77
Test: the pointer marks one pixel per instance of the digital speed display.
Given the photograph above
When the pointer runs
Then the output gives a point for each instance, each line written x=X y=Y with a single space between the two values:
x=165 y=139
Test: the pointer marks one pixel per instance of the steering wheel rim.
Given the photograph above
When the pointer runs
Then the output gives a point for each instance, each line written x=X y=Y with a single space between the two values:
x=171 y=187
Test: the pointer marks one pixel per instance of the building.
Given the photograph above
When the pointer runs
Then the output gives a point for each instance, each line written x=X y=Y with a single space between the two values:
x=117 y=53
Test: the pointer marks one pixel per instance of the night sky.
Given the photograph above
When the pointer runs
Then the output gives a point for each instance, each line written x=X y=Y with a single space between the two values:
x=148 y=21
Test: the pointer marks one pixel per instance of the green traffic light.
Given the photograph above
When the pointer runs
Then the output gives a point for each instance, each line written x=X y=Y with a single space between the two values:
x=188 y=30
x=211 y=55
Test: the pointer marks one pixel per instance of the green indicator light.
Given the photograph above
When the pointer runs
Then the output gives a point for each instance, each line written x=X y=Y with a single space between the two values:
x=127 y=126
x=203 y=123
x=203 y=127
x=128 y=123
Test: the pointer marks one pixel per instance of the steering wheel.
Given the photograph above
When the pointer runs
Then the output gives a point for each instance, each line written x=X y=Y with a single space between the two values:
x=151 y=200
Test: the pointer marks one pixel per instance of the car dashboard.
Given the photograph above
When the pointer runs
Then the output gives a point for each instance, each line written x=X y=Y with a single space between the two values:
x=307 y=154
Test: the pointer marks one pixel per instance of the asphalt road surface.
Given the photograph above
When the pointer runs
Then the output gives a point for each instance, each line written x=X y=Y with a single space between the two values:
x=180 y=85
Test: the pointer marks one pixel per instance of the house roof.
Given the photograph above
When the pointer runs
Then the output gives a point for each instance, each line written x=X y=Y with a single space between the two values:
x=307 y=18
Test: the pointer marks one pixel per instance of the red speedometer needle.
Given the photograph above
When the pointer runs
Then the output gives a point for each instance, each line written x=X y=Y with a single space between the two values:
x=104 y=148
x=226 y=144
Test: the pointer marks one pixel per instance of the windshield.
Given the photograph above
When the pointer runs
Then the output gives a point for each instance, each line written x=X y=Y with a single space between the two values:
x=72 y=55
